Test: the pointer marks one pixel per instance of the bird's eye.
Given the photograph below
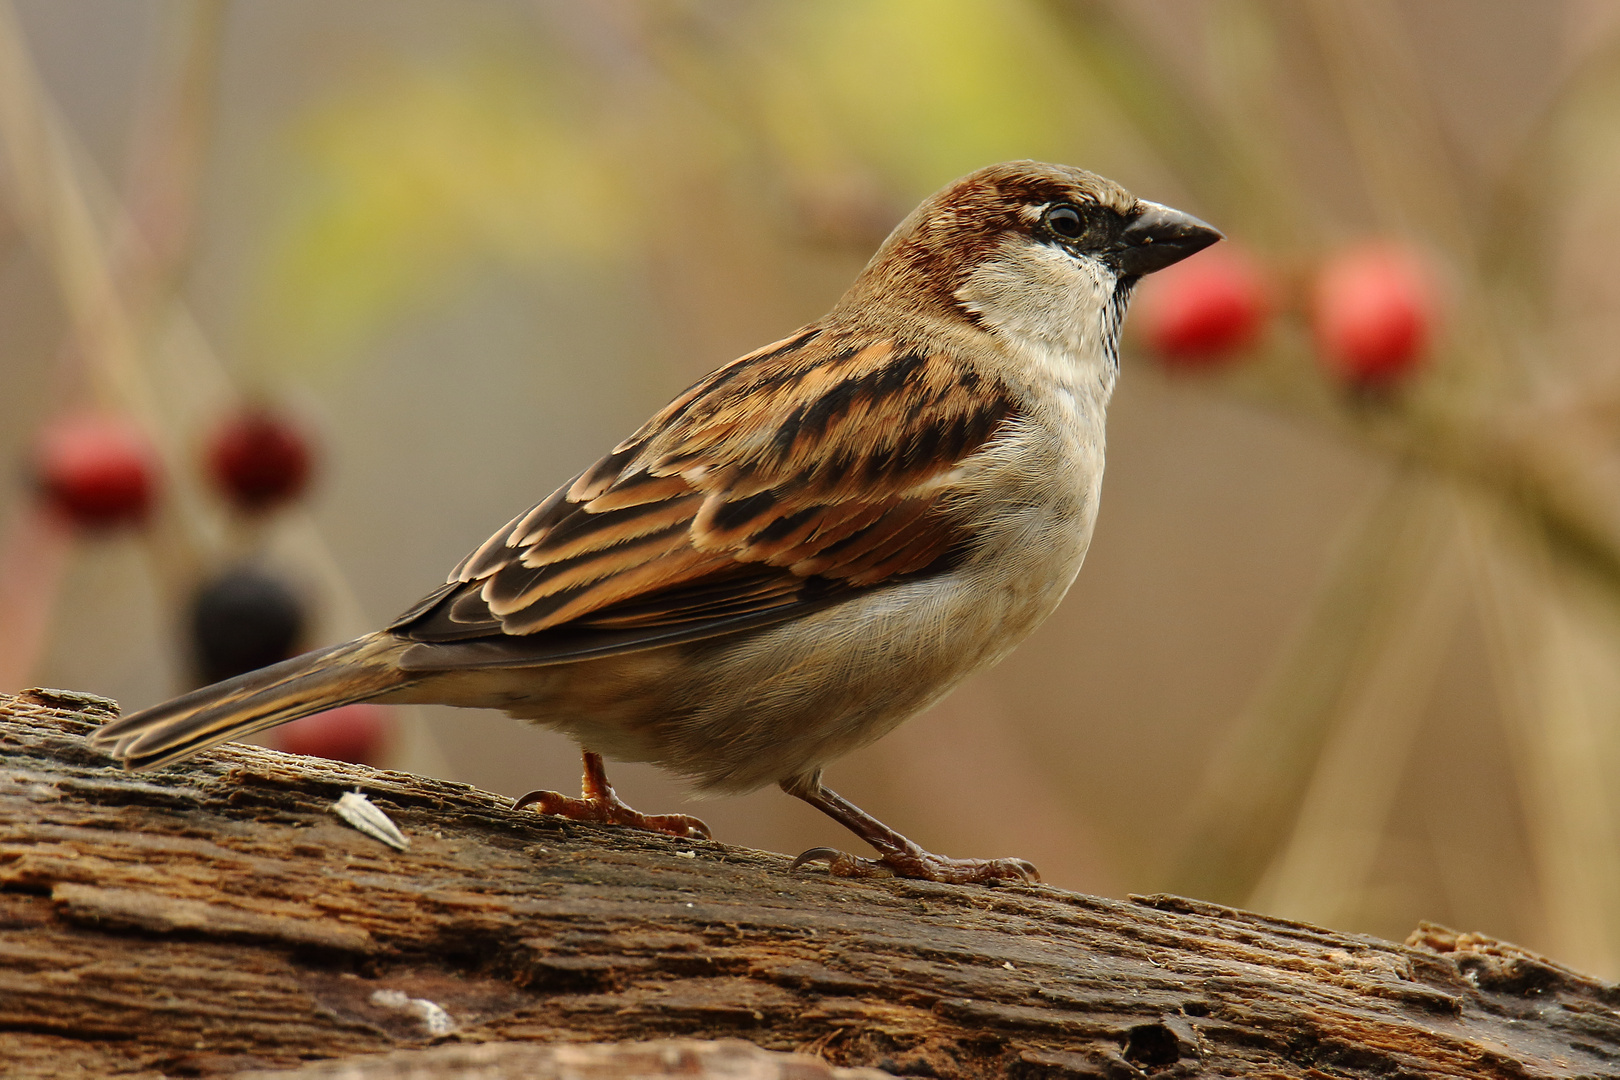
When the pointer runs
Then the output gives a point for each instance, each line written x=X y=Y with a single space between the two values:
x=1065 y=221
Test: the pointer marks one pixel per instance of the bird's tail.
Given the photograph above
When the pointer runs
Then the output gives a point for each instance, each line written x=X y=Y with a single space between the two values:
x=315 y=681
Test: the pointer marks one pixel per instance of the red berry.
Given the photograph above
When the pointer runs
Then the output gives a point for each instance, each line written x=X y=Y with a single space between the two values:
x=1204 y=311
x=357 y=733
x=96 y=470
x=1374 y=311
x=259 y=459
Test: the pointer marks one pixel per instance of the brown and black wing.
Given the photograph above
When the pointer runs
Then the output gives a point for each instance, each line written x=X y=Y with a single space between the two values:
x=789 y=480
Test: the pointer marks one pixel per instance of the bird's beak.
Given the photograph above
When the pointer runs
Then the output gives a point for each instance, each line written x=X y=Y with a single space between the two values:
x=1159 y=236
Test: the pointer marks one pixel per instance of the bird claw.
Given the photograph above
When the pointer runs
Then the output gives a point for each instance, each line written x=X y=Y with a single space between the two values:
x=922 y=866
x=599 y=803
x=610 y=811
x=816 y=854
x=842 y=864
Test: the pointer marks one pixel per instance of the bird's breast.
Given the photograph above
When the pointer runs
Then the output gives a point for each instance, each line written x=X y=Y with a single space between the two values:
x=1030 y=497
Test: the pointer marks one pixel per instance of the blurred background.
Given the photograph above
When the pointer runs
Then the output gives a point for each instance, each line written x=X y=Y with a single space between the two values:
x=300 y=301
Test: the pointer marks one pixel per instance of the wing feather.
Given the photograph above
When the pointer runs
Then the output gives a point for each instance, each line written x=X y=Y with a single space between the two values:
x=793 y=478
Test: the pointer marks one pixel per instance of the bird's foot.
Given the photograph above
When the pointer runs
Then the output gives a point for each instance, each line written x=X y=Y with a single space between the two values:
x=898 y=856
x=612 y=812
x=599 y=803
x=921 y=865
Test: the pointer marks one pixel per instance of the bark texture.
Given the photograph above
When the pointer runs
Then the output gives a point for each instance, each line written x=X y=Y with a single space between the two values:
x=688 y=1059
x=219 y=917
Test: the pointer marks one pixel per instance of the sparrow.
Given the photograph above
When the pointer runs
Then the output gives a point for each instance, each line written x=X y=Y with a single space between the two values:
x=810 y=545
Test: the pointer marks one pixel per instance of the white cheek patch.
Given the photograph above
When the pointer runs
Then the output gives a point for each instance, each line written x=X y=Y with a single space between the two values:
x=1039 y=293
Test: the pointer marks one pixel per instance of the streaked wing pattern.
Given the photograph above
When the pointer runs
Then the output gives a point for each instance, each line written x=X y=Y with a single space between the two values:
x=788 y=480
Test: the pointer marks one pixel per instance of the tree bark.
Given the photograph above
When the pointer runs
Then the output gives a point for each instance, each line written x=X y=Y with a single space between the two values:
x=218 y=916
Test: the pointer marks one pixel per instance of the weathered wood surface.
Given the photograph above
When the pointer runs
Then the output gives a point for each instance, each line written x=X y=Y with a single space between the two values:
x=686 y=1059
x=216 y=917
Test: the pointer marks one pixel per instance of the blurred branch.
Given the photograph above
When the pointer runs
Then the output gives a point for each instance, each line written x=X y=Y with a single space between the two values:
x=1545 y=471
x=1155 y=98
x=1544 y=478
x=1552 y=651
x=170 y=151
x=1257 y=780
x=1546 y=466
x=1520 y=230
x=56 y=212
x=1408 y=167
x=1323 y=872
x=168 y=378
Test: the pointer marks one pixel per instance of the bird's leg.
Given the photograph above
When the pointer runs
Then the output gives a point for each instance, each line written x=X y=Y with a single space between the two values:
x=599 y=803
x=899 y=855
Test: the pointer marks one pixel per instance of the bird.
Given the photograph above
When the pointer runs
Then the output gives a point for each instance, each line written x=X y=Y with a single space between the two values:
x=808 y=546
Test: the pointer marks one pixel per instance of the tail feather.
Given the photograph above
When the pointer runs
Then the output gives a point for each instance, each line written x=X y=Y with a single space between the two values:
x=313 y=682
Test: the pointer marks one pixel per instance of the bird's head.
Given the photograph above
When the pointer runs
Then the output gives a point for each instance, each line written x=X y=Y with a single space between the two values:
x=1039 y=253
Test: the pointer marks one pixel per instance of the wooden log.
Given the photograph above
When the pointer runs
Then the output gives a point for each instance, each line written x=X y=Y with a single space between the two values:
x=688 y=1059
x=218 y=916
